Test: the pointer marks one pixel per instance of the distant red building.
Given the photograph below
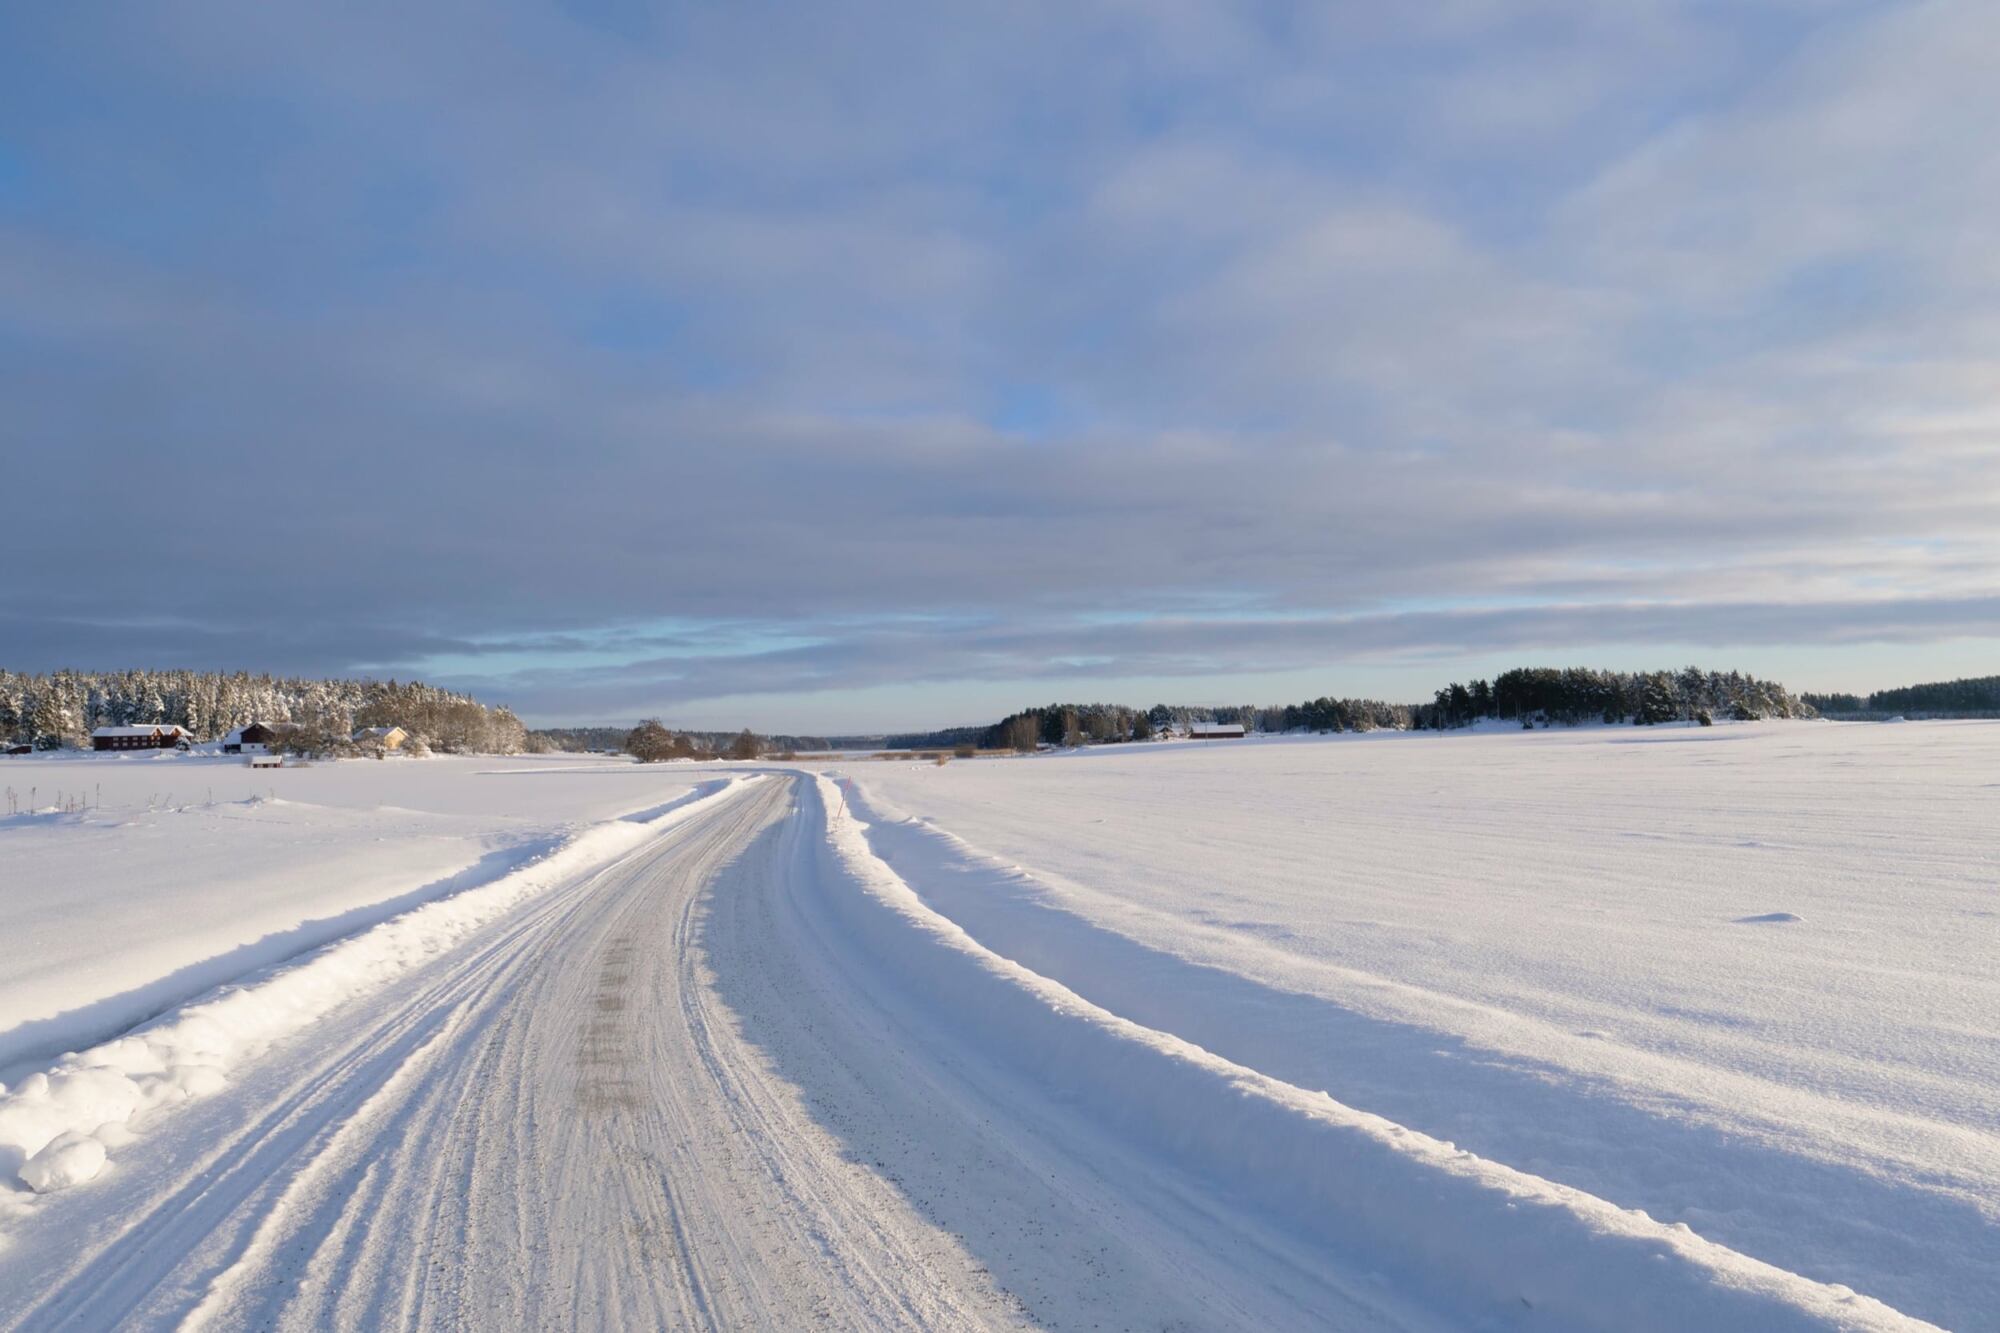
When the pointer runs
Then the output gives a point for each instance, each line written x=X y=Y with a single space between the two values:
x=147 y=737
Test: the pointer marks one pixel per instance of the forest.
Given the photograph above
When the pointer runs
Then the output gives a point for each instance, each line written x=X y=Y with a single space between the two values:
x=1531 y=696
x=1570 y=695
x=1977 y=696
x=59 y=710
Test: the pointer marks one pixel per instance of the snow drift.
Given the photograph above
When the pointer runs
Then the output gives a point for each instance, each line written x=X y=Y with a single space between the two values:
x=1534 y=945
x=56 y=1125
x=1482 y=1240
x=189 y=872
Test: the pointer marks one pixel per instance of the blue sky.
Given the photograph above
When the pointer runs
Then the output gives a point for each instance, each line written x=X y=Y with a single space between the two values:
x=878 y=365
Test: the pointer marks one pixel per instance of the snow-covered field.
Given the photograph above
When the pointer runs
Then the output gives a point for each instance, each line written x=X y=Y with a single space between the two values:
x=1745 y=979
x=189 y=871
x=1614 y=1029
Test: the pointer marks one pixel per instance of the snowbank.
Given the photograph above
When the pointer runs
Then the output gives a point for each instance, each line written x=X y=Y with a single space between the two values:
x=1480 y=1240
x=56 y=1125
x=186 y=873
x=1541 y=946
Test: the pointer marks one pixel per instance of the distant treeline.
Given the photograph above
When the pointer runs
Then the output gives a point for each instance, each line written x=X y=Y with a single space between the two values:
x=61 y=709
x=947 y=738
x=1533 y=696
x=1569 y=695
x=1975 y=697
x=1099 y=724
x=613 y=739
x=652 y=743
x=581 y=740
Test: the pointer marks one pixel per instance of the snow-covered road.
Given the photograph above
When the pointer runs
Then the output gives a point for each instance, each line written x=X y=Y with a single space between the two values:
x=741 y=1077
x=551 y=1126
x=590 y=1116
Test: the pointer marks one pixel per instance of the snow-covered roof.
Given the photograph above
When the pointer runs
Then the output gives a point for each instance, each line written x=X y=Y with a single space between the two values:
x=1215 y=729
x=378 y=733
x=150 y=729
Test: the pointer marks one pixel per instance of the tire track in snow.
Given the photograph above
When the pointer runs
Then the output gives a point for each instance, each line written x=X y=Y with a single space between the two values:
x=658 y=1096
x=448 y=1153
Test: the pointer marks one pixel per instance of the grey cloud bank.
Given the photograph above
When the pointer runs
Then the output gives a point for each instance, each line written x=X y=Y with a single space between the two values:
x=983 y=347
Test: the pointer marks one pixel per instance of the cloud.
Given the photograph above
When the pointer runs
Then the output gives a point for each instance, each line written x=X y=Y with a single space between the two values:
x=1015 y=655
x=981 y=346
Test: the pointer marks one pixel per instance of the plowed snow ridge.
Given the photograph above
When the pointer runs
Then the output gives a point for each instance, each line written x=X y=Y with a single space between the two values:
x=1470 y=1233
x=743 y=1076
x=57 y=1125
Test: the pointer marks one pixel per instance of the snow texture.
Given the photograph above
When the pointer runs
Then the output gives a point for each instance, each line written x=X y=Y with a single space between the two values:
x=1527 y=944
x=1536 y=1031
x=1472 y=1234
x=191 y=1051
x=188 y=871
